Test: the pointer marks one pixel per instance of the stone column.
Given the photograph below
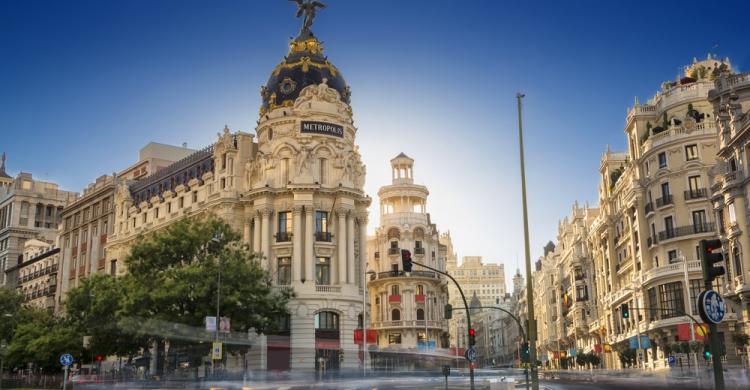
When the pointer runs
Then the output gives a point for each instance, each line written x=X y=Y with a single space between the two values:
x=303 y=339
x=246 y=232
x=308 y=242
x=256 y=232
x=297 y=244
x=350 y=248
x=265 y=233
x=363 y=243
x=341 y=258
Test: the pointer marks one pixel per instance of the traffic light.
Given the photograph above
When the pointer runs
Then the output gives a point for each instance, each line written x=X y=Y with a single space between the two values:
x=448 y=311
x=625 y=310
x=706 y=352
x=472 y=336
x=710 y=251
x=525 y=351
x=406 y=260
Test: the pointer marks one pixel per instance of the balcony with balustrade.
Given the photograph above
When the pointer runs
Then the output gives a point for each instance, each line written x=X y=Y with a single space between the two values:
x=403 y=324
x=682 y=231
x=695 y=194
x=664 y=201
x=669 y=270
x=677 y=132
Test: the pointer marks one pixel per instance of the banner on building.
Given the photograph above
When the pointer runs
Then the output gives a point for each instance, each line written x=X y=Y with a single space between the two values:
x=645 y=342
x=683 y=332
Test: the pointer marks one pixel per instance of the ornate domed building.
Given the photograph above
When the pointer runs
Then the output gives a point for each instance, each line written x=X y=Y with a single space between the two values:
x=295 y=192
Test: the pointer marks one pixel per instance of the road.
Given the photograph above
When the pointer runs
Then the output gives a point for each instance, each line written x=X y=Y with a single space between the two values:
x=565 y=380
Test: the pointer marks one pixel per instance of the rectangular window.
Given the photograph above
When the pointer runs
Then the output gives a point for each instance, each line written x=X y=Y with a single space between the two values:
x=696 y=286
x=113 y=267
x=284 y=271
x=700 y=225
x=653 y=314
x=669 y=227
x=694 y=188
x=322 y=172
x=394 y=338
x=672 y=256
x=285 y=222
x=156 y=213
x=671 y=299
x=180 y=202
x=195 y=196
x=662 y=160
x=665 y=191
x=321 y=222
x=691 y=152
x=169 y=207
x=323 y=271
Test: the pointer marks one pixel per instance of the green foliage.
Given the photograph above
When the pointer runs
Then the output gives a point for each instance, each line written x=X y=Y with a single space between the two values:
x=614 y=176
x=173 y=277
x=685 y=347
x=10 y=305
x=40 y=338
x=665 y=121
x=94 y=308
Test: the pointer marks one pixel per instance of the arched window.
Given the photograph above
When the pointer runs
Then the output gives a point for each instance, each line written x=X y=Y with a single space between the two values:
x=420 y=315
x=420 y=289
x=327 y=320
x=394 y=233
x=418 y=234
x=737 y=258
x=394 y=289
x=395 y=315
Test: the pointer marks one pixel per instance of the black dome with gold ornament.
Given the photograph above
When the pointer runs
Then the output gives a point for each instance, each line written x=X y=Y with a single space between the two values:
x=304 y=65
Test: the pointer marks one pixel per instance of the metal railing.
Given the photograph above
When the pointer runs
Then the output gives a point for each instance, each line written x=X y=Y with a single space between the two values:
x=323 y=236
x=665 y=200
x=686 y=231
x=283 y=237
x=327 y=288
x=394 y=251
x=418 y=251
x=695 y=194
x=649 y=208
x=402 y=274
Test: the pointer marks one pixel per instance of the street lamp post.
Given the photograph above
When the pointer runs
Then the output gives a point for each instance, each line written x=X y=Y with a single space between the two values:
x=531 y=327
x=364 y=320
x=217 y=240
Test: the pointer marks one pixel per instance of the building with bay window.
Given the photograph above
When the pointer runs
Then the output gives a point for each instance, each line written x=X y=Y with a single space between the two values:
x=406 y=308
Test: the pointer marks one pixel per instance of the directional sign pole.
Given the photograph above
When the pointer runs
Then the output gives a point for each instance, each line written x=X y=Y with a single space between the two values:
x=65 y=378
x=713 y=333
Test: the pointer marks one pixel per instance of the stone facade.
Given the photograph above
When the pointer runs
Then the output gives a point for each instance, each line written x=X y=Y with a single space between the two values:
x=37 y=273
x=639 y=251
x=731 y=103
x=29 y=209
x=296 y=195
x=406 y=309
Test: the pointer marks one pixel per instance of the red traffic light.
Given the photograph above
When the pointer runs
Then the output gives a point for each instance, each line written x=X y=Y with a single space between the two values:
x=99 y=358
x=472 y=332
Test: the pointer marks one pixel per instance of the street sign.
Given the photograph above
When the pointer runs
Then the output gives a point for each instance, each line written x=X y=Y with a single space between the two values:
x=66 y=359
x=210 y=324
x=216 y=351
x=711 y=306
x=471 y=354
x=672 y=360
x=446 y=370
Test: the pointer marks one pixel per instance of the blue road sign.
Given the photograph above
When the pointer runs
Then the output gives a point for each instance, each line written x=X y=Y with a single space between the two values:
x=711 y=306
x=672 y=360
x=66 y=359
x=471 y=354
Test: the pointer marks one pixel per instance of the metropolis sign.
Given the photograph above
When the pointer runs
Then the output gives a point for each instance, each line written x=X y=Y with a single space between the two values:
x=322 y=128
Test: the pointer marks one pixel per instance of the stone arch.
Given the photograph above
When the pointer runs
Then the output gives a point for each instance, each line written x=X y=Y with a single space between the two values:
x=393 y=233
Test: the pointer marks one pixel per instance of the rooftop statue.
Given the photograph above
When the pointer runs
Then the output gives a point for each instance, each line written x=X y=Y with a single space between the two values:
x=307 y=7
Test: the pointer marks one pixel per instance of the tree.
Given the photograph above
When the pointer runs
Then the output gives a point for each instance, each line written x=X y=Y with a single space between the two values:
x=10 y=305
x=94 y=309
x=40 y=339
x=173 y=275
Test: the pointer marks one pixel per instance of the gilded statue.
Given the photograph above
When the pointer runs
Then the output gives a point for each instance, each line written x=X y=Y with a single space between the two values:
x=307 y=8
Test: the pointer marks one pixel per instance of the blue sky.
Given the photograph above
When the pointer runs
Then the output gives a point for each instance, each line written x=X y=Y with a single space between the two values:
x=83 y=85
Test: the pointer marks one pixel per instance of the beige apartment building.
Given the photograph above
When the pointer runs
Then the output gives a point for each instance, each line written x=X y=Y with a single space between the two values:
x=485 y=281
x=295 y=193
x=89 y=221
x=729 y=190
x=406 y=309
x=29 y=209
x=640 y=253
x=37 y=273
